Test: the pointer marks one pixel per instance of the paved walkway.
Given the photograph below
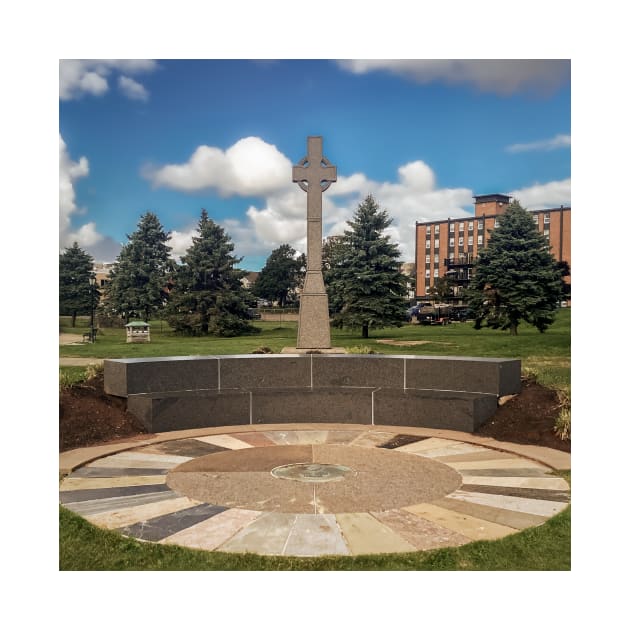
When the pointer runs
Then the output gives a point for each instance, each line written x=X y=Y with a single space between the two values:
x=400 y=489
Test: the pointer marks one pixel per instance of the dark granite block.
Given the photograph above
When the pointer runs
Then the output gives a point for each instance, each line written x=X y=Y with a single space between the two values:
x=357 y=371
x=467 y=374
x=71 y=496
x=459 y=411
x=124 y=377
x=313 y=405
x=190 y=410
x=163 y=526
x=260 y=371
x=401 y=440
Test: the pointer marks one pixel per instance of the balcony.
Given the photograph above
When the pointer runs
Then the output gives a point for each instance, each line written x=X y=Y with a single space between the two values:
x=460 y=261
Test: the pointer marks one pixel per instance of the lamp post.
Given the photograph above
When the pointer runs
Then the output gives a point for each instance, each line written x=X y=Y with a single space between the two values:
x=92 y=284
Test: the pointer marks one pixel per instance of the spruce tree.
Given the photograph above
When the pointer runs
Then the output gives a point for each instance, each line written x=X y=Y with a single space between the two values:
x=281 y=275
x=75 y=293
x=515 y=277
x=366 y=280
x=139 y=280
x=208 y=296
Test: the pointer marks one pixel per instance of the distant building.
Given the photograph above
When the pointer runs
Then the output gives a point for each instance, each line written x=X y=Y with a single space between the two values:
x=449 y=247
x=248 y=280
x=101 y=271
x=409 y=269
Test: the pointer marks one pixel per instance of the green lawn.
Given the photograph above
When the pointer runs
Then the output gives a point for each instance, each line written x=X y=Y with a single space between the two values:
x=548 y=547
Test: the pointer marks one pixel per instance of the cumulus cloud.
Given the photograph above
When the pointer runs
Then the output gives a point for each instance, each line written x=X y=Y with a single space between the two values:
x=80 y=77
x=87 y=236
x=548 y=195
x=250 y=167
x=560 y=141
x=500 y=76
x=132 y=89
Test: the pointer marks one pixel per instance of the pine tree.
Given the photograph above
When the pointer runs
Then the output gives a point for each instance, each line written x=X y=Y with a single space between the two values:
x=207 y=296
x=365 y=278
x=281 y=275
x=139 y=280
x=76 y=296
x=515 y=277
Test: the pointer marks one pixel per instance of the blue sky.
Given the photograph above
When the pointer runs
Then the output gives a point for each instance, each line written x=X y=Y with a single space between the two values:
x=175 y=136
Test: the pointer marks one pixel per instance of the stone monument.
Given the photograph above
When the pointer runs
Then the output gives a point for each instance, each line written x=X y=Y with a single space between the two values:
x=314 y=174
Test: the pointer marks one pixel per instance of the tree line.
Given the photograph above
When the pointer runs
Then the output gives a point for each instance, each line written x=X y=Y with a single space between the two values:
x=514 y=279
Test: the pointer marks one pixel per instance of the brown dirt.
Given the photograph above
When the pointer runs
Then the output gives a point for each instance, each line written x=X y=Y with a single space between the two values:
x=88 y=416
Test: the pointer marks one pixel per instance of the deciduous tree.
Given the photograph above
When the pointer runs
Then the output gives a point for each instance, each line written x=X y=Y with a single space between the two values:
x=281 y=275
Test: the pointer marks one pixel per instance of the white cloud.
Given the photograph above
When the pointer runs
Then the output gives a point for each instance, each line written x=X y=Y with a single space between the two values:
x=487 y=75
x=549 y=195
x=80 y=77
x=132 y=89
x=69 y=172
x=560 y=141
x=249 y=167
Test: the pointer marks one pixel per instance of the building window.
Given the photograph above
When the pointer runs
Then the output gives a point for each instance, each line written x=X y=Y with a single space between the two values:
x=451 y=256
x=451 y=242
x=427 y=273
x=427 y=259
x=437 y=229
x=451 y=228
x=460 y=241
x=496 y=223
x=480 y=224
x=470 y=240
x=436 y=243
x=480 y=239
x=461 y=227
x=547 y=219
x=428 y=245
x=435 y=273
x=436 y=259
x=546 y=232
x=470 y=226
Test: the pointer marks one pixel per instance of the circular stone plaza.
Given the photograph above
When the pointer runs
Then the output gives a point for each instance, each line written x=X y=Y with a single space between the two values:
x=314 y=490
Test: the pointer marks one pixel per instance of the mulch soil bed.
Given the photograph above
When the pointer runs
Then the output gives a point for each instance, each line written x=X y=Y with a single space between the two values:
x=88 y=417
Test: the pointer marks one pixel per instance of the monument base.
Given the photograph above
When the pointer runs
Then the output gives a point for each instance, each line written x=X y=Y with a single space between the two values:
x=314 y=322
x=290 y=350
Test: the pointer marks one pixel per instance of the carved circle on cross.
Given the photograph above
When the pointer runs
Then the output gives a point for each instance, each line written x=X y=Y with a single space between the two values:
x=303 y=184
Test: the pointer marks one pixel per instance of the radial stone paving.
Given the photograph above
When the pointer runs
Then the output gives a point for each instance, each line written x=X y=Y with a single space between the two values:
x=312 y=493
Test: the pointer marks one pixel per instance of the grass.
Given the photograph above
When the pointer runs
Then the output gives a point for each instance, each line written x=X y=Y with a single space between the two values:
x=546 y=548
x=84 y=547
x=547 y=354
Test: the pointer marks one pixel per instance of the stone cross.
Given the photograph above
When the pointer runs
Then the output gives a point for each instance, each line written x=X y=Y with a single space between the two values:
x=314 y=174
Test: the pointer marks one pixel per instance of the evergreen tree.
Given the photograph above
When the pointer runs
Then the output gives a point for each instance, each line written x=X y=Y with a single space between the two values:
x=366 y=279
x=281 y=275
x=75 y=293
x=334 y=256
x=207 y=296
x=139 y=280
x=515 y=277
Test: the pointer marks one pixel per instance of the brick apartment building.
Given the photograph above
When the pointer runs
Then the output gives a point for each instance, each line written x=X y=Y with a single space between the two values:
x=449 y=247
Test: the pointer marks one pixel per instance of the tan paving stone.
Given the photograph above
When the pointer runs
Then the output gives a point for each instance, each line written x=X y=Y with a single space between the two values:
x=372 y=439
x=139 y=513
x=476 y=456
x=266 y=535
x=137 y=459
x=365 y=534
x=517 y=504
x=226 y=441
x=427 y=445
x=89 y=483
x=544 y=483
x=343 y=437
x=312 y=437
x=214 y=531
x=454 y=449
x=469 y=526
x=421 y=533
x=315 y=535
x=509 y=518
x=496 y=463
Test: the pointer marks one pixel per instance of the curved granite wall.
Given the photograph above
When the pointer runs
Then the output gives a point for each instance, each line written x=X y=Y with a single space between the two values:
x=171 y=393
